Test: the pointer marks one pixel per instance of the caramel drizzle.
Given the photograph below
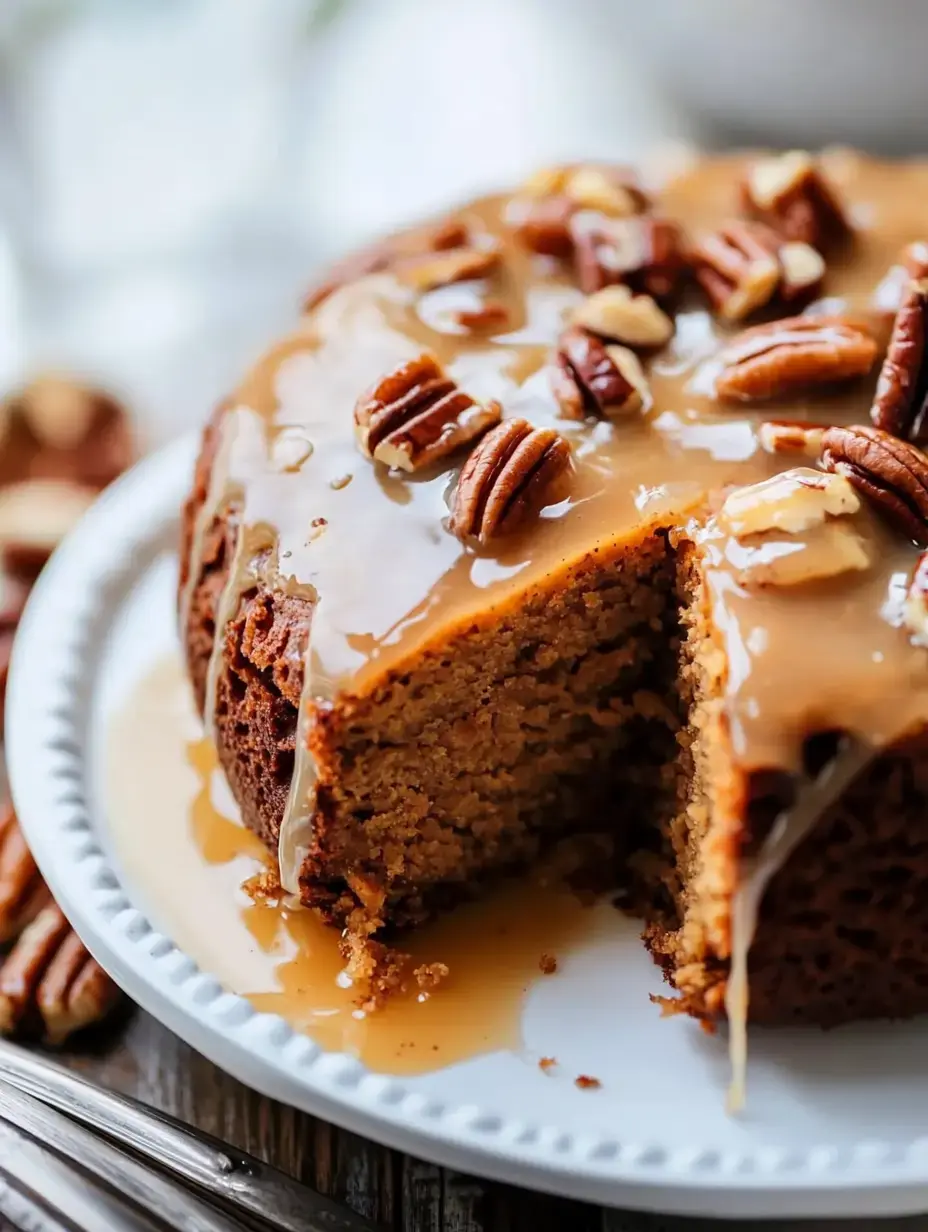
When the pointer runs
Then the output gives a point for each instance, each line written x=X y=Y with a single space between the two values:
x=296 y=826
x=788 y=831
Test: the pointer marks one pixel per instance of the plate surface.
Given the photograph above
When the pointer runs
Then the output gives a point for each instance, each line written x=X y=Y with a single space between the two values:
x=836 y=1123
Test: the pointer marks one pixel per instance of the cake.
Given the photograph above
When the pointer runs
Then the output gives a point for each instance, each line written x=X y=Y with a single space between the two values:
x=597 y=508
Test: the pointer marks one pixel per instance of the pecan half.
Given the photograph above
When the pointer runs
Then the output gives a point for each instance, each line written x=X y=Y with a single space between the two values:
x=489 y=317
x=610 y=188
x=543 y=224
x=791 y=436
x=635 y=320
x=49 y=984
x=514 y=471
x=416 y=415
x=789 y=192
x=915 y=608
x=783 y=357
x=901 y=400
x=893 y=474
x=60 y=429
x=590 y=378
x=644 y=253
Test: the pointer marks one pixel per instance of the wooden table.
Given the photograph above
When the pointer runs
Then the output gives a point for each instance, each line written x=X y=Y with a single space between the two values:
x=143 y=1059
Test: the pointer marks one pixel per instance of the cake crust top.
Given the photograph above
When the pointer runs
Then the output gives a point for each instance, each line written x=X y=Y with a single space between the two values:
x=670 y=343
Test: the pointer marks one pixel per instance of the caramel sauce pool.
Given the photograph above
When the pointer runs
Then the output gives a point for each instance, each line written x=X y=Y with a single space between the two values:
x=175 y=834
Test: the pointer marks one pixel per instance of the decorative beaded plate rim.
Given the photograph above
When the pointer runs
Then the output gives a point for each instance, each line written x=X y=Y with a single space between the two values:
x=49 y=708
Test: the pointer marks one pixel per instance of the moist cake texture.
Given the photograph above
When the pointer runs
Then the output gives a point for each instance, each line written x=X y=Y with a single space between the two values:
x=598 y=508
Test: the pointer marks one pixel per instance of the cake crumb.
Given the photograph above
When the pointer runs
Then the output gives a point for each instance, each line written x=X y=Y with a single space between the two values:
x=586 y=1083
x=264 y=887
x=547 y=1064
x=376 y=970
x=430 y=975
x=547 y=964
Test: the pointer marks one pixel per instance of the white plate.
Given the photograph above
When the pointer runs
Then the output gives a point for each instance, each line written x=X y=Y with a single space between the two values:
x=837 y=1123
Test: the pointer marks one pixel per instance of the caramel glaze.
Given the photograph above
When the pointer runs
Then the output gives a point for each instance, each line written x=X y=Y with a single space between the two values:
x=372 y=546
x=176 y=834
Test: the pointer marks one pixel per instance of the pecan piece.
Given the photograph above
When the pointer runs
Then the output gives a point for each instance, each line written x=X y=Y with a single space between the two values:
x=745 y=265
x=49 y=984
x=416 y=415
x=635 y=320
x=783 y=357
x=590 y=378
x=901 y=400
x=543 y=225
x=892 y=473
x=644 y=253
x=441 y=269
x=791 y=436
x=514 y=471
x=490 y=316
x=789 y=192
x=22 y=891
x=737 y=268
x=915 y=608
x=35 y=516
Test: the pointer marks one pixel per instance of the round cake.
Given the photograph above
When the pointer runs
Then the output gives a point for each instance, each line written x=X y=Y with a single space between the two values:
x=597 y=508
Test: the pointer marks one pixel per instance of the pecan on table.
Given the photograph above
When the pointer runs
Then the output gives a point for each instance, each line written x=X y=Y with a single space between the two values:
x=22 y=890
x=35 y=515
x=590 y=378
x=514 y=471
x=645 y=253
x=891 y=473
x=49 y=985
x=60 y=429
x=783 y=357
x=790 y=192
x=901 y=400
x=416 y=415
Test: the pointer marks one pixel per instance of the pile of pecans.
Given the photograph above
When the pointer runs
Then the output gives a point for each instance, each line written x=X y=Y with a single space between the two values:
x=60 y=444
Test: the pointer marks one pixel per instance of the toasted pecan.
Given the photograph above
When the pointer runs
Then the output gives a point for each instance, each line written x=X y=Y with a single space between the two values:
x=891 y=473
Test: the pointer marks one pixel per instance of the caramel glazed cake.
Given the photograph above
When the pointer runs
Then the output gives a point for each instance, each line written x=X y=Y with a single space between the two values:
x=598 y=508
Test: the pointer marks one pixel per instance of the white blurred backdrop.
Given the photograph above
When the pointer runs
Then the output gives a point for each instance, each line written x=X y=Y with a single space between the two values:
x=171 y=171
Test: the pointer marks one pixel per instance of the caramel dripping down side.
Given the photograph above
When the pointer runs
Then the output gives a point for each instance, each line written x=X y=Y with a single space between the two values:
x=788 y=831
x=296 y=824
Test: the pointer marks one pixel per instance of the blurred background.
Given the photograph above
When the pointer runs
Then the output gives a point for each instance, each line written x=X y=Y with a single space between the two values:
x=171 y=171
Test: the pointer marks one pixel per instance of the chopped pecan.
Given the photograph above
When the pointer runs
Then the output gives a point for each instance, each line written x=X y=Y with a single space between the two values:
x=514 y=471
x=794 y=528
x=608 y=188
x=644 y=253
x=737 y=268
x=60 y=429
x=892 y=473
x=782 y=357
x=793 y=501
x=440 y=269
x=22 y=891
x=35 y=516
x=543 y=224
x=590 y=378
x=901 y=400
x=789 y=192
x=490 y=316
x=915 y=608
x=382 y=254
x=635 y=320
x=50 y=984
x=745 y=265
x=416 y=415
x=791 y=436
